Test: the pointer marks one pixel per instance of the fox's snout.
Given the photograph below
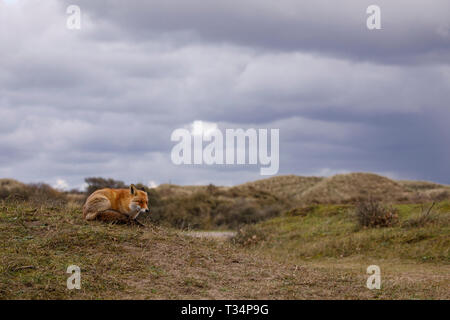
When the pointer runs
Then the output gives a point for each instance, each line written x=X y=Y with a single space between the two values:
x=143 y=210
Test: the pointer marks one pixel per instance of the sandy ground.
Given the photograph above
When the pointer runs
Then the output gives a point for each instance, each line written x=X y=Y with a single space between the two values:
x=218 y=235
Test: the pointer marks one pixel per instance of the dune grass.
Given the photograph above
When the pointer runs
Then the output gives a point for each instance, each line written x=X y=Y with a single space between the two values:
x=130 y=262
x=38 y=243
x=331 y=231
x=314 y=251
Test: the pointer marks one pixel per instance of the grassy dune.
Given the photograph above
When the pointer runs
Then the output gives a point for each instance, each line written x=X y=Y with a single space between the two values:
x=414 y=255
x=287 y=248
x=301 y=257
x=212 y=207
x=331 y=231
x=123 y=261
x=348 y=188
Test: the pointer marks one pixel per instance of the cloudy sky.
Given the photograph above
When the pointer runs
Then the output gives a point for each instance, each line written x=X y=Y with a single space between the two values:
x=104 y=100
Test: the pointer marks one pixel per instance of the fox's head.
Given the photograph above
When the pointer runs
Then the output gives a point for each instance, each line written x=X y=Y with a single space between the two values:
x=139 y=200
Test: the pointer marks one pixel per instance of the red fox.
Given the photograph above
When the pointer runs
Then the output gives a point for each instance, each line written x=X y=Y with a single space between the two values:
x=116 y=205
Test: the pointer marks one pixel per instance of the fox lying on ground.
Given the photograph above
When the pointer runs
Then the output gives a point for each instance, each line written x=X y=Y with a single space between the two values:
x=116 y=205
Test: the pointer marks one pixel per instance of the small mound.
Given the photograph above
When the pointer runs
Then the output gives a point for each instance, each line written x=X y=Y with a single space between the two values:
x=288 y=187
x=39 y=192
x=344 y=188
x=9 y=184
x=173 y=190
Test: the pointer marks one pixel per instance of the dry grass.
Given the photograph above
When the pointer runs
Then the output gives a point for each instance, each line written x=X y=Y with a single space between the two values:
x=37 y=192
x=10 y=184
x=427 y=216
x=332 y=231
x=415 y=260
x=120 y=261
x=171 y=190
x=349 y=188
x=420 y=185
x=213 y=207
x=371 y=213
x=289 y=187
x=353 y=187
x=313 y=251
x=123 y=262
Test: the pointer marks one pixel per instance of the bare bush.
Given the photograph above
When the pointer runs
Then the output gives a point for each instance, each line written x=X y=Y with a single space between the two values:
x=301 y=211
x=97 y=183
x=37 y=193
x=209 y=210
x=249 y=236
x=372 y=213
x=441 y=196
x=427 y=216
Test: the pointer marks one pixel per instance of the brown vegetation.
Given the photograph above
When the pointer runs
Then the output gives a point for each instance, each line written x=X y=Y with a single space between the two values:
x=349 y=188
x=216 y=207
x=293 y=252
x=38 y=193
x=129 y=262
x=372 y=213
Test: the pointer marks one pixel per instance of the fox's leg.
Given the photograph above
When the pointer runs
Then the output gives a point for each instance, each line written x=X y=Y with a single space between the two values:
x=112 y=216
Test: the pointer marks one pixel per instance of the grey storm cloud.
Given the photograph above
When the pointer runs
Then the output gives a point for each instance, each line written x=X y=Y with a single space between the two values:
x=104 y=100
x=412 y=32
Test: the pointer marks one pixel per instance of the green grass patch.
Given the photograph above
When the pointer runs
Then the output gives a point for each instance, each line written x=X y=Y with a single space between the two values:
x=332 y=231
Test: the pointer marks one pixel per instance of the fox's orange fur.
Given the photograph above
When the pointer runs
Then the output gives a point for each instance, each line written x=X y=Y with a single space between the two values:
x=115 y=205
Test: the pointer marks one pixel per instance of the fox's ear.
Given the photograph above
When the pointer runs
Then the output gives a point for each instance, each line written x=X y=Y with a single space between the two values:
x=133 y=189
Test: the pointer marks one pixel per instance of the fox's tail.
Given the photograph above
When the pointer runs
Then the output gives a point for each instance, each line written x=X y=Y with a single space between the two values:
x=94 y=206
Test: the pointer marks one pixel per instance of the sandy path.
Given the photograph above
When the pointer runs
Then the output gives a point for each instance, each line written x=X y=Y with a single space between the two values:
x=219 y=235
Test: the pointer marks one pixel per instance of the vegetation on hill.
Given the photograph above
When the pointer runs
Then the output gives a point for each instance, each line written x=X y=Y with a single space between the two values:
x=213 y=207
x=38 y=243
x=37 y=193
x=350 y=188
x=97 y=183
x=205 y=207
x=282 y=249
x=353 y=187
x=334 y=231
x=290 y=187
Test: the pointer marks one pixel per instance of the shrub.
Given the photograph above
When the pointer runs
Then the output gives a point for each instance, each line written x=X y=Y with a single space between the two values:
x=301 y=211
x=249 y=236
x=212 y=189
x=210 y=209
x=426 y=217
x=372 y=213
x=37 y=193
x=97 y=183
x=441 y=196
